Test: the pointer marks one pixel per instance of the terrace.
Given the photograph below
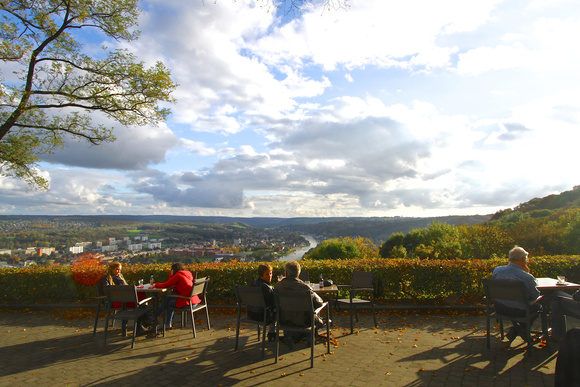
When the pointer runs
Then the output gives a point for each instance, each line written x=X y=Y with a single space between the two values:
x=408 y=348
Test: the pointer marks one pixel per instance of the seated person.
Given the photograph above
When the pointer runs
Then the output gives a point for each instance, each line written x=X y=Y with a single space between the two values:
x=563 y=304
x=256 y=313
x=113 y=276
x=181 y=281
x=517 y=269
x=293 y=283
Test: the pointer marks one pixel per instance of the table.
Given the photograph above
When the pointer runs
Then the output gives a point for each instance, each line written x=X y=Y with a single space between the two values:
x=155 y=292
x=549 y=285
x=326 y=290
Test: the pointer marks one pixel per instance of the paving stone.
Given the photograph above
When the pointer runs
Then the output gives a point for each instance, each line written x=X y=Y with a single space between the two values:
x=414 y=349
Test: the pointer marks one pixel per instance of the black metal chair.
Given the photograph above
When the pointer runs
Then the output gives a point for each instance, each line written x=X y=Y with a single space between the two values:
x=102 y=305
x=510 y=290
x=304 y=276
x=199 y=289
x=299 y=302
x=125 y=295
x=362 y=281
x=251 y=296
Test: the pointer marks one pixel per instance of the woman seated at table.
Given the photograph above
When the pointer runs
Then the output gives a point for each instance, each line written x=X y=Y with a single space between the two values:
x=113 y=276
x=181 y=281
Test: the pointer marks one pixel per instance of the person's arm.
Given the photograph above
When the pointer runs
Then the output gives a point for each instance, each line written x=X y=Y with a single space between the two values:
x=172 y=281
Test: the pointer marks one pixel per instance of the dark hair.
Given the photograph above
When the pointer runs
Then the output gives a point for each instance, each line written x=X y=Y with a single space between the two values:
x=178 y=266
x=263 y=268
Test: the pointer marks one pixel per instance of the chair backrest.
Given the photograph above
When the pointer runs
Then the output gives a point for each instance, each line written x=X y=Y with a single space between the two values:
x=294 y=301
x=199 y=287
x=505 y=290
x=304 y=276
x=250 y=296
x=362 y=279
x=121 y=293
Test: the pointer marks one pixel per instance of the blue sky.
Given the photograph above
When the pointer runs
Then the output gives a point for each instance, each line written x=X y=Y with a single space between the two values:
x=389 y=108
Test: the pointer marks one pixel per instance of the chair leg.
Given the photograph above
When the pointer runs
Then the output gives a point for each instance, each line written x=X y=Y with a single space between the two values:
x=351 y=321
x=193 y=324
x=106 y=328
x=277 y=342
x=312 y=342
x=263 y=338
x=374 y=314
x=134 y=333
x=488 y=328
x=207 y=318
x=237 y=331
x=96 y=319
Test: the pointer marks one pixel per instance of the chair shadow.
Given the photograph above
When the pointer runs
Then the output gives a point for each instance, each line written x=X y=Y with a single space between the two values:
x=467 y=354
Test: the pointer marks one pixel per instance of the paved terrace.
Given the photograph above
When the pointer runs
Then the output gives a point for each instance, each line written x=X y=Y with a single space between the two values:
x=57 y=348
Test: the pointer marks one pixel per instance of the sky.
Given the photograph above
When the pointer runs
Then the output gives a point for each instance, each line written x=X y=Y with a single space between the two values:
x=388 y=108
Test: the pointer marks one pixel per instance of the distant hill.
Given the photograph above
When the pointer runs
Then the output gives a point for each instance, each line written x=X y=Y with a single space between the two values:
x=542 y=207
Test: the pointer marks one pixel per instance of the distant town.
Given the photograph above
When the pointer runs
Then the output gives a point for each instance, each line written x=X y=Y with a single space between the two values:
x=180 y=242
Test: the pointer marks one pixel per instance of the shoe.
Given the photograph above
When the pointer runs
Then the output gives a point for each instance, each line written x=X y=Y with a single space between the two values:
x=511 y=335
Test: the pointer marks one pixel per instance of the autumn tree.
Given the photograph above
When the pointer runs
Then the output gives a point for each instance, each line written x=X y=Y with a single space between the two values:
x=56 y=89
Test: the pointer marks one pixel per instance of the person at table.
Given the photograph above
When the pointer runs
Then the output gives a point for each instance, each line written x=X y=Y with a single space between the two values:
x=292 y=283
x=517 y=269
x=113 y=276
x=181 y=281
x=563 y=304
x=264 y=281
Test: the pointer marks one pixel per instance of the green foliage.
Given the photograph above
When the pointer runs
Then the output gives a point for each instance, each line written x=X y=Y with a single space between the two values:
x=334 y=249
x=397 y=281
x=58 y=86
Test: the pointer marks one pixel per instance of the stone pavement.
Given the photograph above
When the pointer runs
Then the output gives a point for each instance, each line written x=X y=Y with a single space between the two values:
x=57 y=348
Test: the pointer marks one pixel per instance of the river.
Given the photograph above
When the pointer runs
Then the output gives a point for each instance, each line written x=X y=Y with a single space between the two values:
x=298 y=254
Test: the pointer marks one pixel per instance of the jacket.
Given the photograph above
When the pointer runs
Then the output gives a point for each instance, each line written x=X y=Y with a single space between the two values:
x=181 y=282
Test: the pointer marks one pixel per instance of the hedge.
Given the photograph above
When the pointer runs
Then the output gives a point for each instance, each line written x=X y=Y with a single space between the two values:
x=397 y=281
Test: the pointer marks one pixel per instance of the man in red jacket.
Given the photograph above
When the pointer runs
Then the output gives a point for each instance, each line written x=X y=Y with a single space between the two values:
x=181 y=281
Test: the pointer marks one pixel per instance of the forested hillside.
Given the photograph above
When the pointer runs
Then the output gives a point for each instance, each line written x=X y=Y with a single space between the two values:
x=543 y=226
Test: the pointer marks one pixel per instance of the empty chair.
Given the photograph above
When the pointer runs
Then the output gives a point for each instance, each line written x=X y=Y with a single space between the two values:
x=362 y=281
x=298 y=302
x=251 y=296
x=304 y=276
x=199 y=289
x=131 y=310
x=510 y=290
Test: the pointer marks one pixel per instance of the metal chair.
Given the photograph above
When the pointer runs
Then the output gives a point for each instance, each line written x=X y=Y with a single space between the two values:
x=199 y=289
x=248 y=296
x=299 y=302
x=304 y=276
x=510 y=290
x=102 y=305
x=125 y=295
x=362 y=281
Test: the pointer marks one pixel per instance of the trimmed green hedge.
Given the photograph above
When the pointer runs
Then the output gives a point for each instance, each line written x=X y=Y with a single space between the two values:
x=396 y=280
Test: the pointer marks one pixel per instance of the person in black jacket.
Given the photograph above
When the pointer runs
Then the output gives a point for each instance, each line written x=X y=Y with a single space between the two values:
x=563 y=304
x=263 y=281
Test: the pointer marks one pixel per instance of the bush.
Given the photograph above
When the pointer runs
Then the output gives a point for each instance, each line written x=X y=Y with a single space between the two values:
x=396 y=280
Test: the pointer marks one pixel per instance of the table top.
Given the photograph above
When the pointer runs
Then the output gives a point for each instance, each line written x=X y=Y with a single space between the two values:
x=326 y=289
x=545 y=283
x=151 y=289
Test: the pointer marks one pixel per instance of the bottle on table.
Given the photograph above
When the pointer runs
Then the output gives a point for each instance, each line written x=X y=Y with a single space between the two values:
x=321 y=283
x=151 y=280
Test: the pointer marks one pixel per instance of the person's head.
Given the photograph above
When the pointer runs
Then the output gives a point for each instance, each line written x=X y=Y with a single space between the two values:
x=292 y=269
x=115 y=268
x=519 y=256
x=178 y=266
x=265 y=272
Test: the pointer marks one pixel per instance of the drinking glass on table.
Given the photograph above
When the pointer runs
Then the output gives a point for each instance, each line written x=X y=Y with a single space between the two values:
x=561 y=279
x=140 y=282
